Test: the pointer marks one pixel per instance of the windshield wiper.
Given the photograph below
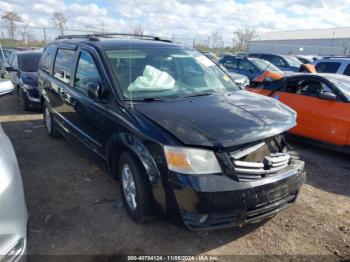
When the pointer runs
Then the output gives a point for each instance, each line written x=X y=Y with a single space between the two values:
x=147 y=99
x=199 y=94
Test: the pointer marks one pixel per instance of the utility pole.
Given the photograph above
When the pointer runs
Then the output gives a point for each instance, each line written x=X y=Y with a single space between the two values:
x=44 y=31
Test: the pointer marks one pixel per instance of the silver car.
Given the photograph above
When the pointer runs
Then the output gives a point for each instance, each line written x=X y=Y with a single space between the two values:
x=6 y=87
x=13 y=210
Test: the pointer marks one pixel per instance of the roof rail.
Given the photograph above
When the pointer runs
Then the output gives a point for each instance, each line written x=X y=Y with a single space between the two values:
x=95 y=37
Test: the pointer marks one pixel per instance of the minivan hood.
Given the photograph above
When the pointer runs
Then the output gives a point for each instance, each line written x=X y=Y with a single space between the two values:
x=220 y=120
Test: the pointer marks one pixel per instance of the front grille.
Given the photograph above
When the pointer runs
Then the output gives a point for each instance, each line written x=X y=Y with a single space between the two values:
x=259 y=160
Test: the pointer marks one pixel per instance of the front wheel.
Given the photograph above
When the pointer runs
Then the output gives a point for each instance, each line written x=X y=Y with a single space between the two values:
x=50 y=124
x=134 y=187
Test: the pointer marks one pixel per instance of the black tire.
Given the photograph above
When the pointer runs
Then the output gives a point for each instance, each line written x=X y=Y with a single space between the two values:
x=143 y=210
x=22 y=101
x=51 y=128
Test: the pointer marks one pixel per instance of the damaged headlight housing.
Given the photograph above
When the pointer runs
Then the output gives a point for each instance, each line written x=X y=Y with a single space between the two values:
x=191 y=160
x=29 y=87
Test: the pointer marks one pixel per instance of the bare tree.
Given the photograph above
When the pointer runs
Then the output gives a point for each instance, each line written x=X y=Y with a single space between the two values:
x=11 y=18
x=243 y=35
x=60 y=21
x=138 y=30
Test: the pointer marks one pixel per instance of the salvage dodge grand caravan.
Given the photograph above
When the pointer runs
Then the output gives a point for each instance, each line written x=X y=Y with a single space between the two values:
x=172 y=127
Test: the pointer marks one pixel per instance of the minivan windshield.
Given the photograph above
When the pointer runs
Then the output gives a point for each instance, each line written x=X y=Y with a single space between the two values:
x=29 y=62
x=292 y=61
x=265 y=65
x=166 y=73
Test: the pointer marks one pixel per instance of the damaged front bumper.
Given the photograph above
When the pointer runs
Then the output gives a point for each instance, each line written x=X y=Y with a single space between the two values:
x=219 y=201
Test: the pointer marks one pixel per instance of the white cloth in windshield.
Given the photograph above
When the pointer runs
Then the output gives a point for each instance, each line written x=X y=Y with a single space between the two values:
x=152 y=79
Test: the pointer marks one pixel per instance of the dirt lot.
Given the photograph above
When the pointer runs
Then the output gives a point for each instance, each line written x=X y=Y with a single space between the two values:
x=75 y=208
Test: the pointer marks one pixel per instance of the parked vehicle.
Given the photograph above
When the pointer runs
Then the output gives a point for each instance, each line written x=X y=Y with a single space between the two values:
x=24 y=76
x=283 y=62
x=211 y=56
x=4 y=54
x=6 y=87
x=13 y=215
x=173 y=127
x=322 y=102
x=307 y=59
x=240 y=80
x=335 y=65
x=248 y=66
x=7 y=63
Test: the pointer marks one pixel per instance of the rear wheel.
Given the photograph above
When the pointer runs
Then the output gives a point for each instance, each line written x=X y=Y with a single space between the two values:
x=50 y=124
x=134 y=187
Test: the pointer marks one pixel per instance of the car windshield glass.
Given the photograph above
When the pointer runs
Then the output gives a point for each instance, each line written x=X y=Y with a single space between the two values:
x=292 y=61
x=264 y=65
x=343 y=84
x=29 y=62
x=167 y=73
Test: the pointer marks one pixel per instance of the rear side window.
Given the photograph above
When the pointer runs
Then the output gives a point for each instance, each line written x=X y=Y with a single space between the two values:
x=347 y=70
x=231 y=64
x=245 y=65
x=47 y=58
x=86 y=72
x=327 y=67
x=64 y=65
x=266 y=57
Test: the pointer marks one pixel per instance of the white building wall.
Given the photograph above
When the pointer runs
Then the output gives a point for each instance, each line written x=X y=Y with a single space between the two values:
x=302 y=46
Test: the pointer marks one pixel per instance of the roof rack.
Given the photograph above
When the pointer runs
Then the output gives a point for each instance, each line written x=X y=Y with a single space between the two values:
x=95 y=37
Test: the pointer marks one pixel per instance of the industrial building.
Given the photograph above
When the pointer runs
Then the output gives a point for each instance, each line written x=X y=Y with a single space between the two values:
x=331 y=41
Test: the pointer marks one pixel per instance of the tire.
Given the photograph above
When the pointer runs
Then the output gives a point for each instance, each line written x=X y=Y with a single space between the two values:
x=22 y=101
x=139 y=207
x=50 y=125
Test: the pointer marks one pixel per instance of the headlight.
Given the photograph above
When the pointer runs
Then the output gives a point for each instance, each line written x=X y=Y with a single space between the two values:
x=191 y=160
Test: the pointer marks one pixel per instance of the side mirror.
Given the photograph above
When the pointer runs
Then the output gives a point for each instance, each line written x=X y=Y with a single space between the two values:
x=328 y=96
x=94 y=90
x=10 y=69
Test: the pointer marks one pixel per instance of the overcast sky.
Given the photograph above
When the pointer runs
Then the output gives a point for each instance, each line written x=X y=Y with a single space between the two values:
x=185 y=18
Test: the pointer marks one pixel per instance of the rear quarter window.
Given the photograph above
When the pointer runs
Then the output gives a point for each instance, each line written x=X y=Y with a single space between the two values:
x=47 y=58
x=64 y=63
x=327 y=67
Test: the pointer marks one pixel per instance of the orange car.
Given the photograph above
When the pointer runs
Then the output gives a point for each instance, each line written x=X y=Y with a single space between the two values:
x=322 y=102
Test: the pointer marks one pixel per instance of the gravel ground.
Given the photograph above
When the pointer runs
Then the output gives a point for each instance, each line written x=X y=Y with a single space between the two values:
x=75 y=208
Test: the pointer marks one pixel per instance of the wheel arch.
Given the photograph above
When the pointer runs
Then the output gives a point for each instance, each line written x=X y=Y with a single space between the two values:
x=121 y=142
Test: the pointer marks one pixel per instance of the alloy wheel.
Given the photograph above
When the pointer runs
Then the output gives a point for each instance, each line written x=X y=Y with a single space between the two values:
x=129 y=187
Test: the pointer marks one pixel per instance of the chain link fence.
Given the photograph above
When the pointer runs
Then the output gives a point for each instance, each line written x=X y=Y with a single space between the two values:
x=29 y=36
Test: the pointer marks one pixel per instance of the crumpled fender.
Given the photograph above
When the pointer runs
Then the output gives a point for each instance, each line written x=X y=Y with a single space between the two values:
x=122 y=141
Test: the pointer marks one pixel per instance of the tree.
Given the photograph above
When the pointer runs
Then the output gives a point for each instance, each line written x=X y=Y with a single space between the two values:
x=60 y=21
x=138 y=30
x=243 y=36
x=11 y=18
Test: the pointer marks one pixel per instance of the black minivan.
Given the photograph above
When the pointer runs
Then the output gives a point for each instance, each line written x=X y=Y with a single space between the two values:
x=175 y=130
